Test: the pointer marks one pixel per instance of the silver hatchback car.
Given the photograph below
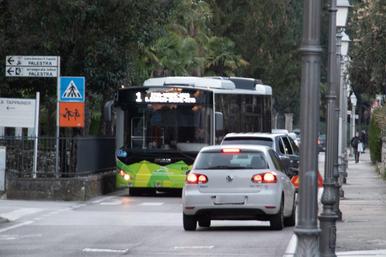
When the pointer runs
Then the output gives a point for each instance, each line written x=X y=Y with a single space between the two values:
x=238 y=182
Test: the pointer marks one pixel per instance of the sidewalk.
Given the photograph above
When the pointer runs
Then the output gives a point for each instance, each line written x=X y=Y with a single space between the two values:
x=362 y=232
x=364 y=211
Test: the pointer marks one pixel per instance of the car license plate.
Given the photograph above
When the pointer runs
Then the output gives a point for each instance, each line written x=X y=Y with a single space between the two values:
x=230 y=199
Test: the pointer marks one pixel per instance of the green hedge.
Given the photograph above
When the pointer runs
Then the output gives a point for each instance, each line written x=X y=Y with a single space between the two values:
x=375 y=135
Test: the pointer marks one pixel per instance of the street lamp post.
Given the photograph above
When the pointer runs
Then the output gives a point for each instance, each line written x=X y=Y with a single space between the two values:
x=343 y=106
x=328 y=216
x=307 y=230
x=338 y=135
x=330 y=195
x=353 y=100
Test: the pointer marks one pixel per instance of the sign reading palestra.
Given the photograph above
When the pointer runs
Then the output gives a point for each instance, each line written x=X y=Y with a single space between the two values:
x=71 y=115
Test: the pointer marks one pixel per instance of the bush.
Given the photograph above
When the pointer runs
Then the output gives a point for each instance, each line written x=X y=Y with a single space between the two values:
x=375 y=134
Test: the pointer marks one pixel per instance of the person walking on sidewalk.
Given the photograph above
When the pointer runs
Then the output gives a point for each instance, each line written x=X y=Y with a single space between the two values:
x=356 y=144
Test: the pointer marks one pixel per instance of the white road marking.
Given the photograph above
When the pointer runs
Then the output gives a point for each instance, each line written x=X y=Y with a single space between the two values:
x=111 y=203
x=152 y=204
x=16 y=226
x=101 y=200
x=14 y=237
x=291 y=248
x=194 y=247
x=96 y=250
x=17 y=214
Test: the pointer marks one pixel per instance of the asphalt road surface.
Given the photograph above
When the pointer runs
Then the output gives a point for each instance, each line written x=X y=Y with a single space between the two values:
x=120 y=225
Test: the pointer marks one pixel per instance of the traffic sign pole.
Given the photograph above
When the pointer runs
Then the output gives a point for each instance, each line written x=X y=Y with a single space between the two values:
x=37 y=106
x=57 y=121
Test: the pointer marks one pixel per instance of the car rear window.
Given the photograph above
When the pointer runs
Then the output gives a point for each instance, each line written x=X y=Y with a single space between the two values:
x=248 y=141
x=223 y=161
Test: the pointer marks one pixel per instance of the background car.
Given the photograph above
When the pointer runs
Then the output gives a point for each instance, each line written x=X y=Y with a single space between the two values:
x=238 y=182
x=283 y=144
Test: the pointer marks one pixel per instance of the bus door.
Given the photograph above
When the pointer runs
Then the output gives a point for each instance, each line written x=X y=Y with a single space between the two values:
x=138 y=133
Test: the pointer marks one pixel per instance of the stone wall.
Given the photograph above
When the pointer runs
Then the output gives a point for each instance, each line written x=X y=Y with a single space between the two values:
x=68 y=189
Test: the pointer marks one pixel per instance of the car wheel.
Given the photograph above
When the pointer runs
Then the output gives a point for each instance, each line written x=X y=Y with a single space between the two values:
x=190 y=222
x=290 y=221
x=277 y=220
x=204 y=222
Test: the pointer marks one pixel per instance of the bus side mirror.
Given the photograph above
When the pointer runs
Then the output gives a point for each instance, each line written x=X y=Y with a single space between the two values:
x=219 y=121
x=107 y=111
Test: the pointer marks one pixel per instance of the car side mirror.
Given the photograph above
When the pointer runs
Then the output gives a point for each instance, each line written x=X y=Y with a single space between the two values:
x=285 y=161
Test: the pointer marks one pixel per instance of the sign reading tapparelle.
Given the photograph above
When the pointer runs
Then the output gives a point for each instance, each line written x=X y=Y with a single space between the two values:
x=71 y=115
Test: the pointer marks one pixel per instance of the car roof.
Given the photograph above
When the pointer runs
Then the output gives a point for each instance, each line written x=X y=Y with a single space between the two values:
x=262 y=148
x=254 y=134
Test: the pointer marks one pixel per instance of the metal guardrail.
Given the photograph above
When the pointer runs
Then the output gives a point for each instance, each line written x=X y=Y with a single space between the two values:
x=78 y=156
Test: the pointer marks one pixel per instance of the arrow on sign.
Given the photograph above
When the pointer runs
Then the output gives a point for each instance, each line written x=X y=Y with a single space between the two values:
x=14 y=71
x=10 y=71
x=10 y=60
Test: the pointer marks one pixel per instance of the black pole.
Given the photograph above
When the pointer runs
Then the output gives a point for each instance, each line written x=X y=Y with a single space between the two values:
x=307 y=228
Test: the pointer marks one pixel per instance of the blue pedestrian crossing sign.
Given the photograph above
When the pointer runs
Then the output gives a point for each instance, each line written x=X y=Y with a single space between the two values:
x=72 y=89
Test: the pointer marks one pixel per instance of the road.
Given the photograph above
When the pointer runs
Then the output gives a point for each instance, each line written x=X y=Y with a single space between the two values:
x=118 y=224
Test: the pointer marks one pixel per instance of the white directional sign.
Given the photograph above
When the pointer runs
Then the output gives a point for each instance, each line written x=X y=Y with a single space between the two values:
x=16 y=112
x=37 y=61
x=31 y=66
x=20 y=71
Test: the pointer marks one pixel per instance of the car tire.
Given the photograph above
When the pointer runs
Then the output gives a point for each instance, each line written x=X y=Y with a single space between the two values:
x=204 y=222
x=190 y=222
x=277 y=220
x=291 y=220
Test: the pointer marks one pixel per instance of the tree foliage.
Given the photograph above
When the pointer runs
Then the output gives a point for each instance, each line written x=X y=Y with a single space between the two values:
x=267 y=35
x=377 y=130
x=368 y=51
x=119 y=42
x=96 y=39
x=189 y=46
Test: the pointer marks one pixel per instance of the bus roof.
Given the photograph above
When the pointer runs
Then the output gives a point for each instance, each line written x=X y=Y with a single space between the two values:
x=219 y=85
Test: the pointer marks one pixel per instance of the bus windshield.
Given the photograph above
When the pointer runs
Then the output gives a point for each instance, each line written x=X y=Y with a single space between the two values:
x=168 y=126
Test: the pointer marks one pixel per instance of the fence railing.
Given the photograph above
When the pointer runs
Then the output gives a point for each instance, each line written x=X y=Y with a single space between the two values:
x=78 y=156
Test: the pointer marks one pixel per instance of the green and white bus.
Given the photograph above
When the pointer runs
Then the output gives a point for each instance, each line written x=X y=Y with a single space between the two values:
x=162 y=125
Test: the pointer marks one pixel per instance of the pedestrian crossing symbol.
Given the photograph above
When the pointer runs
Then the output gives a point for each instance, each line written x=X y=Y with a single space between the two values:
x=72 y=89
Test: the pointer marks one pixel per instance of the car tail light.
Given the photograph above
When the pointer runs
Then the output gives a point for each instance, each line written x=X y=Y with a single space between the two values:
x=266 y=178
x=269 y=178
x=230 y=150
x=257 y=178
x=194 y=178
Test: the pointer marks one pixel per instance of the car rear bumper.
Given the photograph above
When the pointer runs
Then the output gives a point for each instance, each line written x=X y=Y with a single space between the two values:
x=249 y=206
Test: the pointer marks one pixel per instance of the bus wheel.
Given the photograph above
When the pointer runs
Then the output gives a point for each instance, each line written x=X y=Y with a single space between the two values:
x=135 y=191
x=142 y=191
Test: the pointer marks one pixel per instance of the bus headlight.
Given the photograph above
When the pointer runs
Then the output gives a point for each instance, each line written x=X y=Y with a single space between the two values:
x=124 y=175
